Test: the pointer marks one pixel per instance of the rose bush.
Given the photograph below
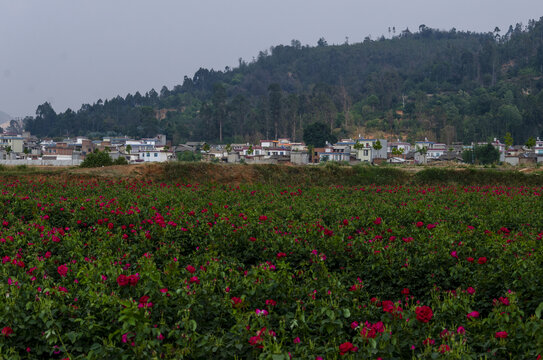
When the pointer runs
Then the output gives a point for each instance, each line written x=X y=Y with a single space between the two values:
x=135 y=269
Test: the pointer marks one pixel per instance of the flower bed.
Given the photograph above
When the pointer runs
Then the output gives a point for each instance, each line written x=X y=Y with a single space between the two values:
x=114 y=269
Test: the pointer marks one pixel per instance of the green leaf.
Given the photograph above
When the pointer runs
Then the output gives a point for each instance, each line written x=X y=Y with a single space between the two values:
x=346 y=313
x=72 y=336
x=538 y=310
x=192 y=325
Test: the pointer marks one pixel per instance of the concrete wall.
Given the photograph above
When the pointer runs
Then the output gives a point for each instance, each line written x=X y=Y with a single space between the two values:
x=381 y=153
x=260 y=161
x=30 y=162
x=299 y=158
x=512 y=160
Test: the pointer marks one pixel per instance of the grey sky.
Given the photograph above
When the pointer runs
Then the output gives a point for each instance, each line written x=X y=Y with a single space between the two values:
x=70 y=52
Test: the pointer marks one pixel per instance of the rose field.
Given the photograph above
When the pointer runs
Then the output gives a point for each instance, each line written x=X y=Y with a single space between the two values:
x=139 y=269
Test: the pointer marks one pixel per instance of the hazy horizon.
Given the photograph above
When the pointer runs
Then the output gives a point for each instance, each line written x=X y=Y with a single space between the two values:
x=69 y=54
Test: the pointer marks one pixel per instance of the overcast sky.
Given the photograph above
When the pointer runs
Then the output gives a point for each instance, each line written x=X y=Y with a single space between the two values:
x=70 y=52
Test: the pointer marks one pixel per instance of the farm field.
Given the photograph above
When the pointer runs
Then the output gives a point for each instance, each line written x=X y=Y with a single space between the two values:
x=123 y=269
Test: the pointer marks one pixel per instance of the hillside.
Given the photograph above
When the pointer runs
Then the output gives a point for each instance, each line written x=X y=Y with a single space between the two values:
x=445 y=85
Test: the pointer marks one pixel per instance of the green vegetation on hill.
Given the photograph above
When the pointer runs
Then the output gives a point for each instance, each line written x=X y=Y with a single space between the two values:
x=445 y=85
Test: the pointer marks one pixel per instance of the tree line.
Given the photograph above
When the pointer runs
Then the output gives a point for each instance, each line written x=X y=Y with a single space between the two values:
x=445 y=85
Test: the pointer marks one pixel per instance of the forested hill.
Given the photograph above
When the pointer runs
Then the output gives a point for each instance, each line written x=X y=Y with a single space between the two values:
x=445 y=85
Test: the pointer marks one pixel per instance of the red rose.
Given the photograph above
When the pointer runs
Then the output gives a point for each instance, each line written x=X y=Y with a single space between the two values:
x=377 y=221
x=62 y=270
x=481 y=260
x=428 y=341
x=419 y=224
x=191 y=269
x=504 y=301
x=473 y=314
x=501 y=335
x=122 y=280
x=7 y=331
x=424 y=313
x=236 y=302
x=347 y=347
x=133 y=279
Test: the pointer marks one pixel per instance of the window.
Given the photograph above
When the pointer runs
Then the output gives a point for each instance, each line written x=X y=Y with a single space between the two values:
x=156 y=154
x=366 y=152
x=148 y=155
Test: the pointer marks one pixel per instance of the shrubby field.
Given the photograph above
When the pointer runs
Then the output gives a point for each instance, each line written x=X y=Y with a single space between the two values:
x=138 y=269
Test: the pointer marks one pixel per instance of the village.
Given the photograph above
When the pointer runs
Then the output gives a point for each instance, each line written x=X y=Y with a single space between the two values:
x=24 y=149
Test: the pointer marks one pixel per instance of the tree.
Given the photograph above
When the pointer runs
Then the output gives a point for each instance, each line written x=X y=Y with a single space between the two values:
x=121 y=160
x=508 y=139
x=219 y=106
x=397 y=152
x=296 y=44
x=274 y=93
x=358 y=145
x=317 y=134
x=322 y=42
x=206 y=147
x=377 y=145
x=510 y=116
x=97 y=159
x=310 y=149
x=482 y=154
x=189 y=156
x=128 y=148
x=530 y=143
x=467 y=156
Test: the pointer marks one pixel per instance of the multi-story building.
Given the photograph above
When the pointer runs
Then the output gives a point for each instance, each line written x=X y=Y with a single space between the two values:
x=16 y=143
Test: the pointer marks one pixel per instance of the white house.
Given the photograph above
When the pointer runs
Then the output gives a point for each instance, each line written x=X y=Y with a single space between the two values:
x=538 y=147
x=399 y=145
x=436 y=150
x=365 y=154
x=368 y=151
x=256 y=150
x=155 y=156
x=334 y=156
x=268 y=143
x=423 y=144
x=15 y=142
x=276 y=152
